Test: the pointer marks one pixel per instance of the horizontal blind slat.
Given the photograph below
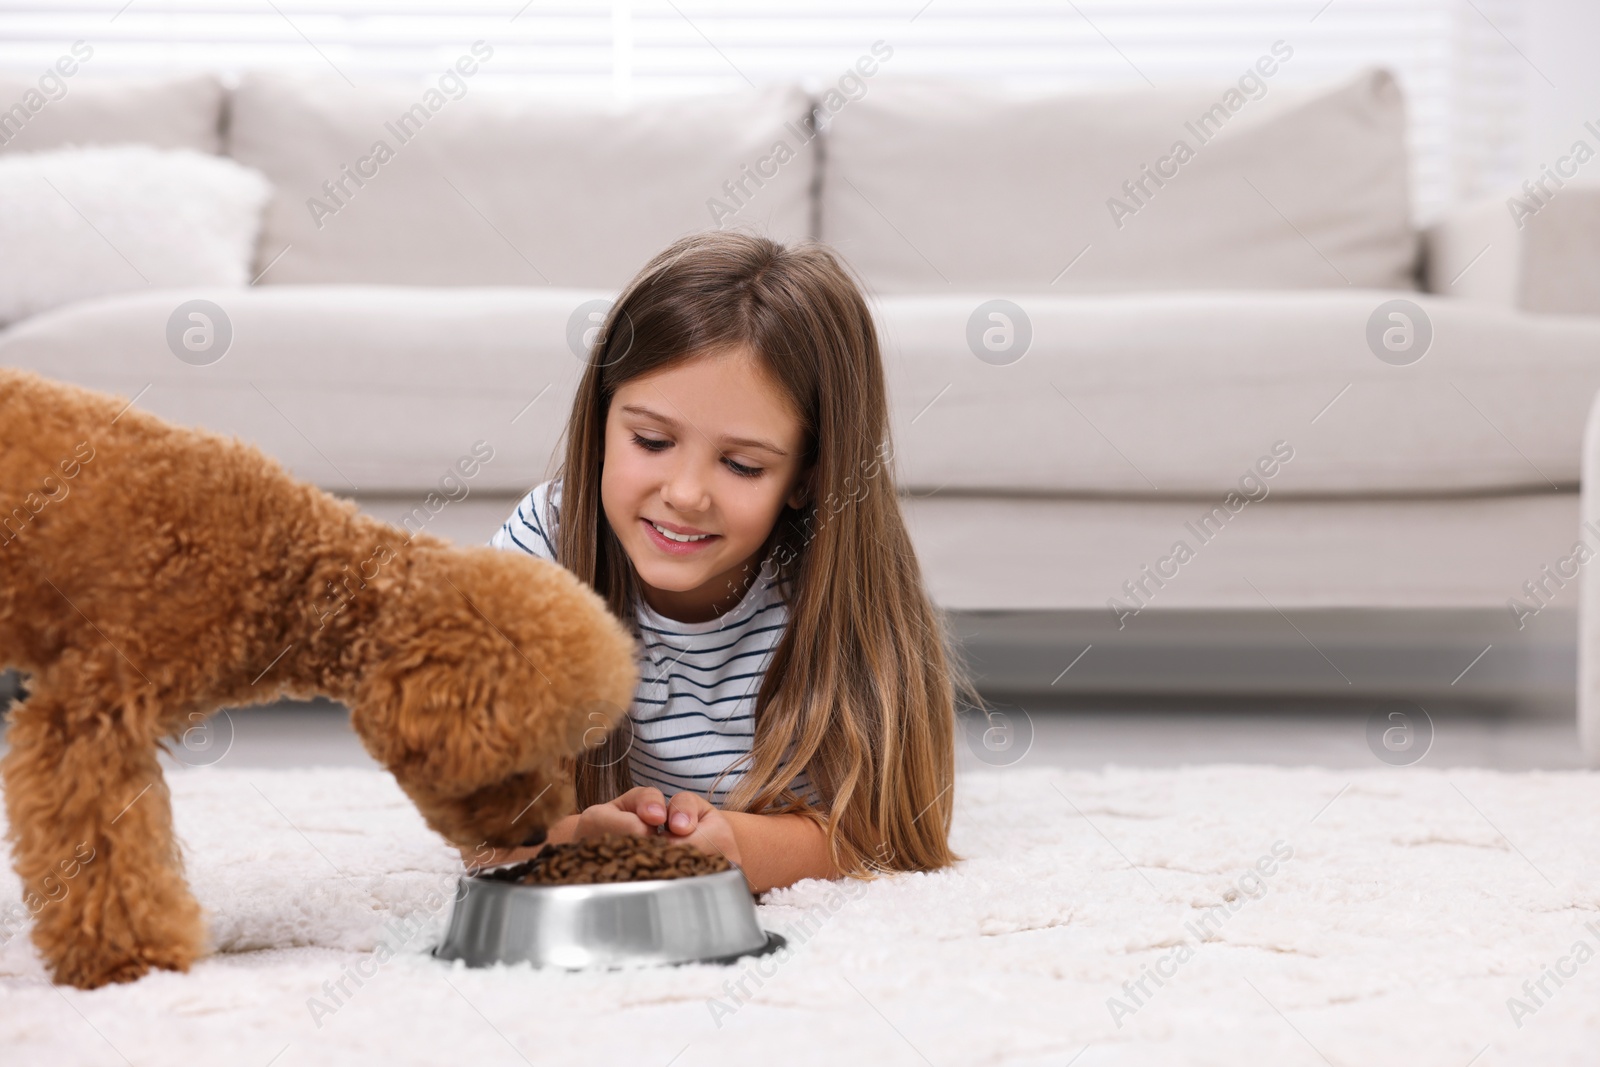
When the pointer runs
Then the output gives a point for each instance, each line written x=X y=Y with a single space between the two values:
x=1466 y=84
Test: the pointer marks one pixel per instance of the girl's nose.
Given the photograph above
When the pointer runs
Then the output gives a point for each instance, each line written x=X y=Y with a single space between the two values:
x=685 y=490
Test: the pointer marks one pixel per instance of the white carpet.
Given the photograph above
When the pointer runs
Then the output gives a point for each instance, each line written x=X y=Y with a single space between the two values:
x=1414 y=905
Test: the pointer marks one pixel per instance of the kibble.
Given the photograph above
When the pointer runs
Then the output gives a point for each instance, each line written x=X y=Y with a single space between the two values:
x=613 y=858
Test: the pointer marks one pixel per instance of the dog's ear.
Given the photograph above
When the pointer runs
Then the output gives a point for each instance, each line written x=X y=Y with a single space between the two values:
x=508 y=814
x=478 y=768
x=490 y=670
x=446 y=724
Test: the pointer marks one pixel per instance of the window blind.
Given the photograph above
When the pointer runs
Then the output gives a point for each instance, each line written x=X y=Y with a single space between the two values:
x=1460 y=64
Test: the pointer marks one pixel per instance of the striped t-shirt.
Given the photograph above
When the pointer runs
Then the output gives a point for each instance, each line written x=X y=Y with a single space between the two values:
x=694 y=712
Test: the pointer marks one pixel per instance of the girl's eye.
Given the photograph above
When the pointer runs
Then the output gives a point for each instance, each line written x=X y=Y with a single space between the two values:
x=650 y=444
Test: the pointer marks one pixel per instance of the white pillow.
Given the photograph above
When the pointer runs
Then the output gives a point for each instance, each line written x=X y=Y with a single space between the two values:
x=84 y=222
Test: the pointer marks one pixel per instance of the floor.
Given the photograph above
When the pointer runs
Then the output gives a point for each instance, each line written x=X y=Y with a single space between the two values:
x=1202 y=915
x=1080 y=734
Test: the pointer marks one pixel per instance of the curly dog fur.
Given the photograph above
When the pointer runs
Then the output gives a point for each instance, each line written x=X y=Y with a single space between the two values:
x=150 y=574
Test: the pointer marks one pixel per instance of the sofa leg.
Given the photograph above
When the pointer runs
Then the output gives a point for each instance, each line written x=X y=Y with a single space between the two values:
x=92 y=840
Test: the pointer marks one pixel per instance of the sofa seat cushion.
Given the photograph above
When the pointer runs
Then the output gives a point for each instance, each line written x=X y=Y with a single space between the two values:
x=381 y=388
x=933 y=184
x=1183 y=393
x=354 y=388
x=473 y=185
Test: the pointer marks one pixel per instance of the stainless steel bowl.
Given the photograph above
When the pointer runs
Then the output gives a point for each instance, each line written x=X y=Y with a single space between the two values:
x=708 y=918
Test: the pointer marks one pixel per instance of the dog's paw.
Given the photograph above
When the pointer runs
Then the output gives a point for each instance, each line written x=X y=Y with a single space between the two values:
x=95 y=965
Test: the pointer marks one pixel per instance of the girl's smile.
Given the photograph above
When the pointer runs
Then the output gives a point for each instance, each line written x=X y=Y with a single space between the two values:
x=677 y=540
x=700 y=459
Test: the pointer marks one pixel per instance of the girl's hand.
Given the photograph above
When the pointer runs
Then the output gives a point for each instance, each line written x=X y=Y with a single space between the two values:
x=690 y=819
x=694 y=820
x=639 y=811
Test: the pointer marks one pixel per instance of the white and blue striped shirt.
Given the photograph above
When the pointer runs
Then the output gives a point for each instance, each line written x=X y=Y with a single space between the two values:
x=694 y=712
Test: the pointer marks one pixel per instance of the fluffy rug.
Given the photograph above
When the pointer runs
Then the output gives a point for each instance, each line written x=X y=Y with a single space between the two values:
x=1208 y=915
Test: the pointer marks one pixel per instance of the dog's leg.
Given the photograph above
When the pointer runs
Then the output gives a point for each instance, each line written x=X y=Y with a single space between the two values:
x=91 y=833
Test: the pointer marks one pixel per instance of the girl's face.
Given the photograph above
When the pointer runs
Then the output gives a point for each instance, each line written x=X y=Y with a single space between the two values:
x=709 y=450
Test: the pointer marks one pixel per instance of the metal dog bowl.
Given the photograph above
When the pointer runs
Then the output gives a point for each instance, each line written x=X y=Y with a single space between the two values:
x=709 y=918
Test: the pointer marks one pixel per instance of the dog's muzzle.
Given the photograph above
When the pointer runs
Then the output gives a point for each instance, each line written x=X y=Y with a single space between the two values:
x=535 y=838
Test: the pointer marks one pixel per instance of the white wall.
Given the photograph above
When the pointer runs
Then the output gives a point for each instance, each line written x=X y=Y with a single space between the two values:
x=1562 y=45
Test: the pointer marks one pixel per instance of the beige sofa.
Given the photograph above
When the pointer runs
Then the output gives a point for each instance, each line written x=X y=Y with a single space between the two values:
x=1190 y=347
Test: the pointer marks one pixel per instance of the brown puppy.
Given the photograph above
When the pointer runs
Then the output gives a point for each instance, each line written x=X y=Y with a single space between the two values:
x=150 y=574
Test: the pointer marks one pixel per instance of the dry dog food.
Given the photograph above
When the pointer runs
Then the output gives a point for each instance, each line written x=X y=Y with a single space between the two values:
x=613 y=858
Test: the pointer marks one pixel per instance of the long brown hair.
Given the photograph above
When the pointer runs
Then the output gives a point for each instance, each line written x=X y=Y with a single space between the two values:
x=860 y=691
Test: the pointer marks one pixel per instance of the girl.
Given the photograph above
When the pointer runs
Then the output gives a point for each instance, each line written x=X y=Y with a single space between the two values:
x=726 y=489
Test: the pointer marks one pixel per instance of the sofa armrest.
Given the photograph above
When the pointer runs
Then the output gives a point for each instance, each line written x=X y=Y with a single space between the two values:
x=1531 y=254
x=1589 y=589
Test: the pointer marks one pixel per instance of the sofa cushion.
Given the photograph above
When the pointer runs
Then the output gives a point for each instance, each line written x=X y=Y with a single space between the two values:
x=368 y=389
x=83 y=109
x=497 y=187
x=1164 y=393
x=929 y=185
x=380 y=389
